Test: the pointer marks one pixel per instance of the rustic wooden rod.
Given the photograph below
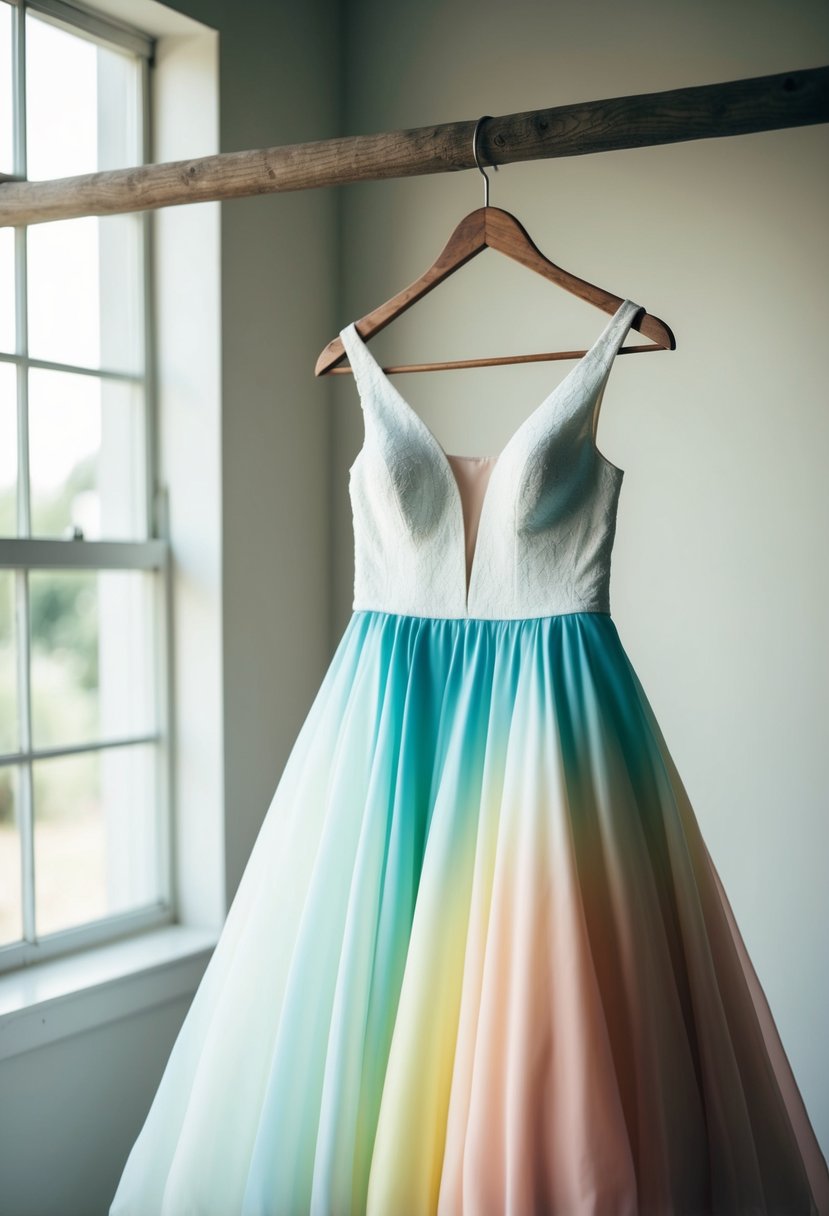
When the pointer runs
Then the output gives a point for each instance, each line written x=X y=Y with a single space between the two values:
x=760 y=103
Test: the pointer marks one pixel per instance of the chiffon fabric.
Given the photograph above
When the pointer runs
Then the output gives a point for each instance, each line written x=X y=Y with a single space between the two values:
x=480 y=962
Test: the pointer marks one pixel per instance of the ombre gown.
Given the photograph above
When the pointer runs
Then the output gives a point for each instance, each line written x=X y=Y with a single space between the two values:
x=480 y=962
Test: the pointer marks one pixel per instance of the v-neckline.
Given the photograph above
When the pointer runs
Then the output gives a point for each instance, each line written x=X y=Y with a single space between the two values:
x=497 y=460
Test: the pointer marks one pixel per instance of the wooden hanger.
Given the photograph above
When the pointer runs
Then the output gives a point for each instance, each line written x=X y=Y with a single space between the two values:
x=492 y=228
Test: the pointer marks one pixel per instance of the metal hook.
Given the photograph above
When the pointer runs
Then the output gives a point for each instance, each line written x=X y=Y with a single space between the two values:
x=475 y=154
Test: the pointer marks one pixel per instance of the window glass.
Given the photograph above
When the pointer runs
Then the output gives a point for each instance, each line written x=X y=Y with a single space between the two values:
x=7 y=327
x=8 y=450
x=11 y=904
x=91 y=654
x=6 y=111
x=84 y=289
x=8 y=667
x=96 y=842
x=97 y=123
x=86 y=456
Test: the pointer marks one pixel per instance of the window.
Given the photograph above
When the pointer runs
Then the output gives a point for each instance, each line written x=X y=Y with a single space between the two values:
x=84 y=566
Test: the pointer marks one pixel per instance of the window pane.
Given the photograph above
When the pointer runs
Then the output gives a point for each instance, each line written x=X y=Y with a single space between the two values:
x=92 y=655
x=86 y=453
x=96 y=835
x=6 y=146
x=9 y=725
x=85 y=293
x=83 y=111
x=11 y=910
x=7 y=326
x=8 y=450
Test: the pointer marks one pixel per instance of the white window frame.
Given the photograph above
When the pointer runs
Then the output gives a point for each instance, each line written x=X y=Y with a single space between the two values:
x=23 y=554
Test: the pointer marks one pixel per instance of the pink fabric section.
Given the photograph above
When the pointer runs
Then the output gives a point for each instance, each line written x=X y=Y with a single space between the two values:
x=472 y=473
x=615 y=1054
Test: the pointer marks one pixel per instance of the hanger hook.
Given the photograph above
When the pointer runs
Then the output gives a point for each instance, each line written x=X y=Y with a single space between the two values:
x=475 y=154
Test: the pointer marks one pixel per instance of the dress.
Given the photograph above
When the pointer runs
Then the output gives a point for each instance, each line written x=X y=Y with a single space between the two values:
x=480 y=961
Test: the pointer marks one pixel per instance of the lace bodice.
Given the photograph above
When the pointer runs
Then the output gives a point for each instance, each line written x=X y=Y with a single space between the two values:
x=526 y=533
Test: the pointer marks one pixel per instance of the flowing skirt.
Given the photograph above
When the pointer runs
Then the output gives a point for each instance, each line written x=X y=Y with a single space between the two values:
x=480 y=962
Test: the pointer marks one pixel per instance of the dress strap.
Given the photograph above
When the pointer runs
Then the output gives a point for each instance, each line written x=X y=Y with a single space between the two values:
x=365 y=377
x=606 y=350
x=614 y=334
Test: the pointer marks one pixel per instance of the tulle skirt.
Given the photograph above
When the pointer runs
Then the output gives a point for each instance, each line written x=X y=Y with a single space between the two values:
x=480 y=962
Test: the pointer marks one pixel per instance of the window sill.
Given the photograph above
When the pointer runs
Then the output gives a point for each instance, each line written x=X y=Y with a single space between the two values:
x=66 y=996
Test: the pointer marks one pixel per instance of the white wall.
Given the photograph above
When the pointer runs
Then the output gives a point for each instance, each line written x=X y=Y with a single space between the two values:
x=720 y=580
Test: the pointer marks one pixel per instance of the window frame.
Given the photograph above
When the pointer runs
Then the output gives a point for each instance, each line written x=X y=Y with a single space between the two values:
x=25 y=553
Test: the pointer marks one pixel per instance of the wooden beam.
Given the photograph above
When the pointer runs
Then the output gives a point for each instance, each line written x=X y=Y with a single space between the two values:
x=760 y=103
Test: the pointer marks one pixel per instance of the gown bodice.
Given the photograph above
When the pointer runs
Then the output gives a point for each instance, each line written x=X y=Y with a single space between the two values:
x=526 y=533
